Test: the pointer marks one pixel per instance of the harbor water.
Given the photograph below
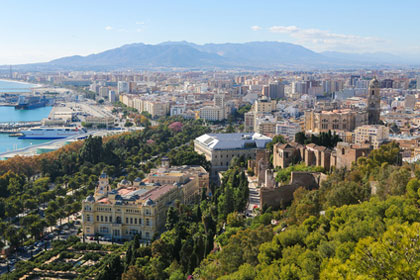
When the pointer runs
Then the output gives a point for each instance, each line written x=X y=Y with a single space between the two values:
x=9 y=114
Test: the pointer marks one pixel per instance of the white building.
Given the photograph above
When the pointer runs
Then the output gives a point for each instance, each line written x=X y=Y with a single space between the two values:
x=220 y=148
x=288 y=129
x=177 y=109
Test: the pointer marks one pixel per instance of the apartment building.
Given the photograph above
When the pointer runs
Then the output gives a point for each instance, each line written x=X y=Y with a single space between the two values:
x=374 y=135
x=212 y=113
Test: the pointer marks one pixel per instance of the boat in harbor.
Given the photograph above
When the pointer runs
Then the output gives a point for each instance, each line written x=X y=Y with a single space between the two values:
x=51 y=132
x=31 y=102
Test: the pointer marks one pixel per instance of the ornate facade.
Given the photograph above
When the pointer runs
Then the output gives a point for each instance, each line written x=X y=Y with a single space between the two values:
x=140 y=207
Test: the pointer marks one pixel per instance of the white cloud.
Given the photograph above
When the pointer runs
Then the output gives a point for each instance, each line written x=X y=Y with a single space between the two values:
x=284 y=29
x=140 y=22
x=108 y=28
x=139 y=30
x=325 y=40
x=256 y=28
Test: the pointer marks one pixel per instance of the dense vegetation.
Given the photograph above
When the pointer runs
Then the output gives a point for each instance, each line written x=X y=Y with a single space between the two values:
x=326 y=139
x=340 y=231
x=40 y=191
x=361 y=223
x=191 y=232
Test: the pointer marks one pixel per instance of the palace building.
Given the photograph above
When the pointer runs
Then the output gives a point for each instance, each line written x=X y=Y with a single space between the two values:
x=140 y=207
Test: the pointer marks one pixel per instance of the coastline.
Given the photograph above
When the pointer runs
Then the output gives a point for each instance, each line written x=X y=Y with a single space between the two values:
x=22 y=82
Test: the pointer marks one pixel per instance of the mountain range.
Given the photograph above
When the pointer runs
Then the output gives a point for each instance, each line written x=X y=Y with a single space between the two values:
x=186 y=55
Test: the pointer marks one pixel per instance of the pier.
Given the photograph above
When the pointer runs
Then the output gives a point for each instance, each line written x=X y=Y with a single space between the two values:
x=16 y=127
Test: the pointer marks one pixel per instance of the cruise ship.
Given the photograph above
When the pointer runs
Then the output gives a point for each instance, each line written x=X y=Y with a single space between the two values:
x=51 y=132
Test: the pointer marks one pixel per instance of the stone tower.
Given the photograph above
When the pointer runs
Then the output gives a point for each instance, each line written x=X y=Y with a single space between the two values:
x=103 y=186
x=374 y=100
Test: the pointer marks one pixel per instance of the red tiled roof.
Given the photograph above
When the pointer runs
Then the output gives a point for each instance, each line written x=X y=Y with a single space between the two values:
x=104 y=200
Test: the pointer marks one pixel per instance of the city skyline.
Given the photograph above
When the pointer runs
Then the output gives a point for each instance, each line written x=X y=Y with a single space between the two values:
x=41 y=32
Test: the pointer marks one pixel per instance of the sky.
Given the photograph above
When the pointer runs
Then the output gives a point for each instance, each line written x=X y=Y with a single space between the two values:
x=38 y=31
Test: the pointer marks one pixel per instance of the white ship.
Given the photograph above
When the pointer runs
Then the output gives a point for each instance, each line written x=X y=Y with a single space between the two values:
x=50 y=132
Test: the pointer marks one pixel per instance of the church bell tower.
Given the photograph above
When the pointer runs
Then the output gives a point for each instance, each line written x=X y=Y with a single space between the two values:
x=374 y=102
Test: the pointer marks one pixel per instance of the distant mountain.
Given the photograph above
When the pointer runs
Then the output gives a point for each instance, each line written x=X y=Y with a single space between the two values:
x=142 y=55
x=186 y=55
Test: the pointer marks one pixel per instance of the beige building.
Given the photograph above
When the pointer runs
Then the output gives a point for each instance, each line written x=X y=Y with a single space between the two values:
x=140 y=207
x=193 y=179
x=219 y=149
x=212 y=113
x=259 y=109
x=335 y=120
x=371 y=134
x=156 y=108
x=265 y=125
x=151 y=104
x=264 y=106
x=99 y=121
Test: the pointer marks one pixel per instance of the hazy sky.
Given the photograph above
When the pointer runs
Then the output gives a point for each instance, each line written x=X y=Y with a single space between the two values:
x=35 y=31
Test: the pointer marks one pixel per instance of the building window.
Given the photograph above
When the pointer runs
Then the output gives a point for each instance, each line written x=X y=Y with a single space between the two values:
x=131 y=220
x=135 y=221
x=88 y=218
x=147 y=222
x=106 y=219
x=147 y=235
x=110 y=219
x=126 y=220
x=97 y=218
x=102 y=218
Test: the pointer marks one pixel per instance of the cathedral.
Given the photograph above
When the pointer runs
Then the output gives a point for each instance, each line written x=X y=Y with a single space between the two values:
x=374 y=102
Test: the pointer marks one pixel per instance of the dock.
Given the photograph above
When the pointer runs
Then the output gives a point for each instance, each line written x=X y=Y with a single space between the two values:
x=16 y=127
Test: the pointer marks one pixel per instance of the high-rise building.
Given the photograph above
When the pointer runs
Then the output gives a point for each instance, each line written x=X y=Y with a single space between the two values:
x=112 y=96
x=123 y=87
x=219 y=100
x=276 y=90
x=103 y=92
x=374 y=101
x=387 y=83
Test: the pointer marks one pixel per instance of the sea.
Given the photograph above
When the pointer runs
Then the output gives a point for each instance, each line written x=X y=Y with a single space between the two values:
x=9 y=114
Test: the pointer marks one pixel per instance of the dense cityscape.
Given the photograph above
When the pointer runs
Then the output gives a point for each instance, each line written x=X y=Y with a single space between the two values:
x=291 y=152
